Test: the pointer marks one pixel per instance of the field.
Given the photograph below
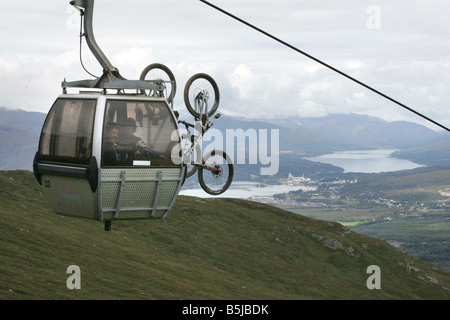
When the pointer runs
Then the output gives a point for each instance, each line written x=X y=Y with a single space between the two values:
x=407 y=209
x=225 y=249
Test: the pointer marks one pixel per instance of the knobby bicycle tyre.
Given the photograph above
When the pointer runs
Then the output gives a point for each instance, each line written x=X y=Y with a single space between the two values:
x=216 y=183
x=167 y=76
x=195 y=84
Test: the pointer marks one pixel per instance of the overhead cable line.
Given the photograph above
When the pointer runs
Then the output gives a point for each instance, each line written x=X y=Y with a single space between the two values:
x=324 y=64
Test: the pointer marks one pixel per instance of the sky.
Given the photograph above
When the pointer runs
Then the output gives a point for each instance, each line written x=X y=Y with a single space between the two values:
x=399 y=47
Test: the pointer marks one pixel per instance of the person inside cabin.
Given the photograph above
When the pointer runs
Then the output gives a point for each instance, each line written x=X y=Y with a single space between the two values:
x=129 y=143
x=109 y=145
x=131 y=146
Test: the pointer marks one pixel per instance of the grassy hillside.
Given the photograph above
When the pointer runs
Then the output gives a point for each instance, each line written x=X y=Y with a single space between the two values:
x=205 y=249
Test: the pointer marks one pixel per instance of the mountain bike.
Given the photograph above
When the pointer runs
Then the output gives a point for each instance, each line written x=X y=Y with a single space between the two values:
x=215 y=168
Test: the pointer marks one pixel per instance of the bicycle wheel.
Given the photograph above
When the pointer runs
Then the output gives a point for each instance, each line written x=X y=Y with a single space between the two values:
x=199 y=86
x=159 y=72
x=196 y=157
x=217 y=173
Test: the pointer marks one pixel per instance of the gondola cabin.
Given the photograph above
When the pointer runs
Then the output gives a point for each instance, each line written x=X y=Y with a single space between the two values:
x=108 y=157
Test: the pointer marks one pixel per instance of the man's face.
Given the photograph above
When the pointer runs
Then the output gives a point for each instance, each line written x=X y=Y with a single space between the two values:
x=112 y=134
x=130 y=130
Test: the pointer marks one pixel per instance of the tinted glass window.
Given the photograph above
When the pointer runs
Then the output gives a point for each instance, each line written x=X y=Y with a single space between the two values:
x=138 y=134
x=67 y=132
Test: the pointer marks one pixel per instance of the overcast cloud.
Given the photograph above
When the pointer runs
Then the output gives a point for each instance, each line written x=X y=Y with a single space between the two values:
x=399 y=47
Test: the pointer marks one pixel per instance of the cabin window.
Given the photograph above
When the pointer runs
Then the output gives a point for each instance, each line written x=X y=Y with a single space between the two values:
x=67 y=133
x=138 y=133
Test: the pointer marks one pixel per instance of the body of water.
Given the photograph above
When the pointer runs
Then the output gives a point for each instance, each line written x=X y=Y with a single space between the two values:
x=366 y=161
x=245 y=189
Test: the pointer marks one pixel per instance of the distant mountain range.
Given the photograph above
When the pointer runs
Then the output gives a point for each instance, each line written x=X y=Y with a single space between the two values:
x=19 y=138
x=338 y=132
x=366 y=131
x=20 y=130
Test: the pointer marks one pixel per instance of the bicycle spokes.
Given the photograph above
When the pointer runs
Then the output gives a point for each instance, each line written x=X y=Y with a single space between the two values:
x=201 y=88
x=216 y=174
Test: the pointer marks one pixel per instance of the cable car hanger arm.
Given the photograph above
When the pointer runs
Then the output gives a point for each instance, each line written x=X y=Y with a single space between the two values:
x=324 y=64
x=111 y=78
x=88 y=12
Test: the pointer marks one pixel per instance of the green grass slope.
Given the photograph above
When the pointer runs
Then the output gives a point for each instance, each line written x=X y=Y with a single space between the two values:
x=205 y=249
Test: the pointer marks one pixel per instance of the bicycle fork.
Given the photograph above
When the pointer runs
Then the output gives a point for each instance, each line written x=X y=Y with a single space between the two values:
x=201 y=102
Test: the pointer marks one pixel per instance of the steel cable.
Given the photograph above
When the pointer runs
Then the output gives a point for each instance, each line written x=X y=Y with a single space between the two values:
x=325 y=64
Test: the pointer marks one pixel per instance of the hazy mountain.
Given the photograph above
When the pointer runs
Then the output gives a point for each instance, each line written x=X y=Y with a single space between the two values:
x=20 y=130
x=365 y=131
x=19 y=138
x=300 y=139
x=24 y=120
x=17 y=148
x=436 y=152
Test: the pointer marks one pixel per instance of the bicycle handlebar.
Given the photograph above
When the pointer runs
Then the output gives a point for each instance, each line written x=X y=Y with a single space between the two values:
x=205 y=127
x=186 y=123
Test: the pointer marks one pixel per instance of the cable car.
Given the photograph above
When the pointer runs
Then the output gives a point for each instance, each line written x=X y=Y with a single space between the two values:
x=107 y=156
x=84 y=176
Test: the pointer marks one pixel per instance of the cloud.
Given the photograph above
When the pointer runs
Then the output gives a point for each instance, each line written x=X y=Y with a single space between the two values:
x=406 y=57
x=133 y=60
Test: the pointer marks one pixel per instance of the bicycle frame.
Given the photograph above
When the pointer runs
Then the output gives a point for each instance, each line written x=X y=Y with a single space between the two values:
x=193 y=141
x=215 y=168
x=201 y=104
